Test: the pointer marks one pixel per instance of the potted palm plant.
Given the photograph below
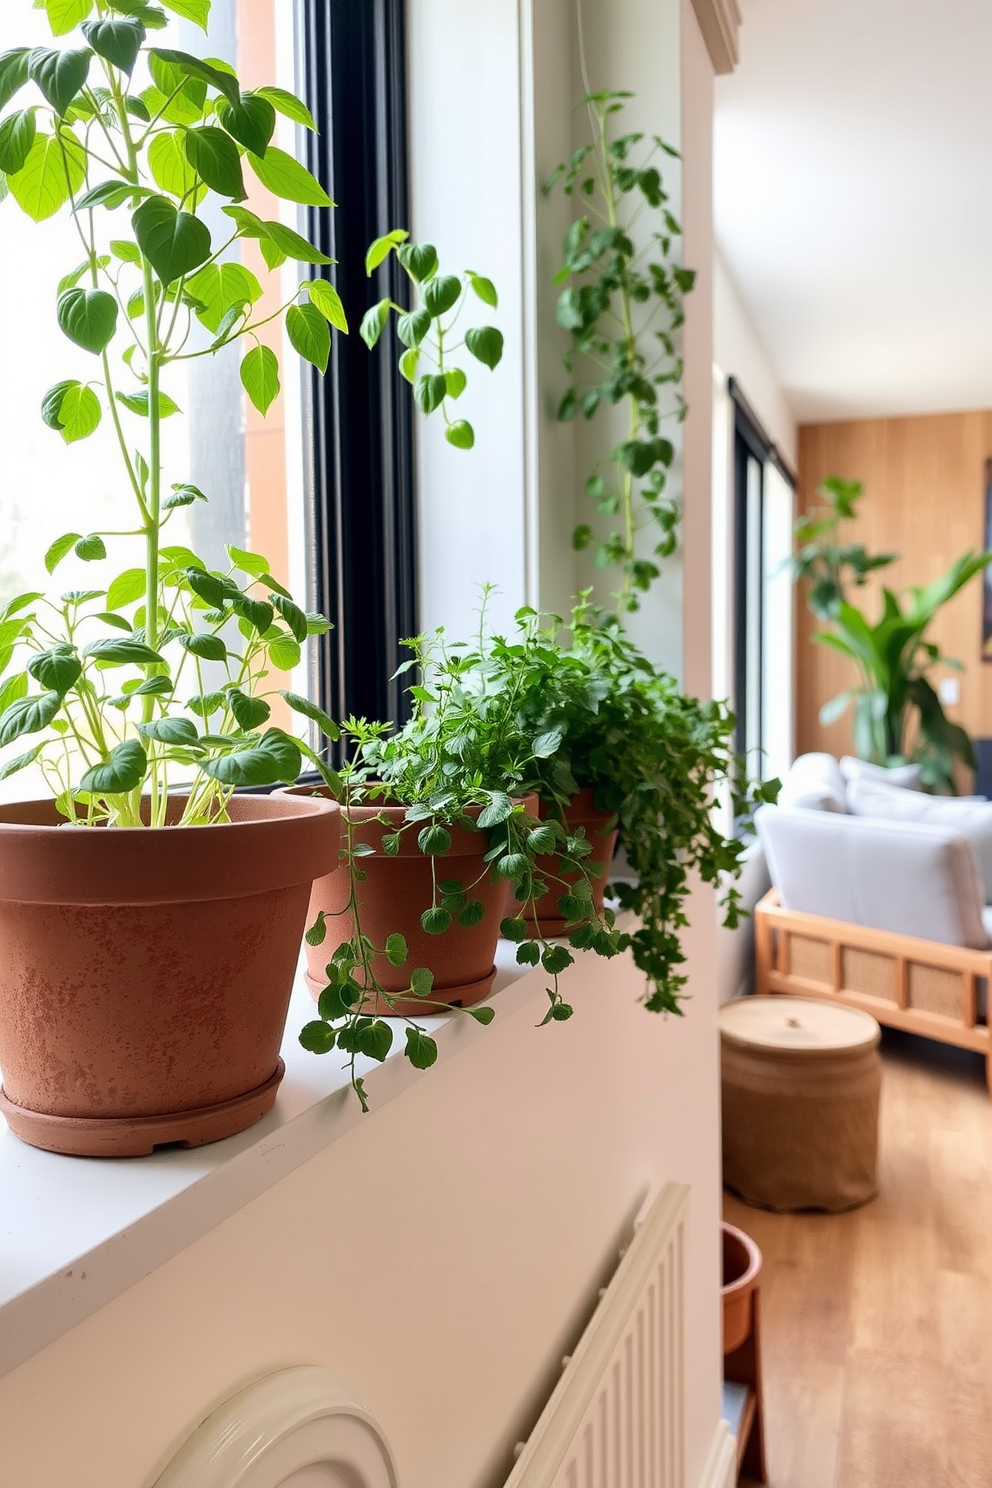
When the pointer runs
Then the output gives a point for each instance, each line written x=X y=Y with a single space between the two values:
x=150 y=933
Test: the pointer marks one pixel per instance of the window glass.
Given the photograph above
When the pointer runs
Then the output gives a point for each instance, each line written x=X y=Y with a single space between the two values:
x=250 y=468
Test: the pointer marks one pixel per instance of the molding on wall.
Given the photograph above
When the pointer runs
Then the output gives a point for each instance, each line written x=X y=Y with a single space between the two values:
x=721 y=1467
x=720 y=23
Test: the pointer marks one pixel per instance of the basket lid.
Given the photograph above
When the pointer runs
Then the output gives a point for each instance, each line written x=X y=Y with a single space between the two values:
x=799 y=1025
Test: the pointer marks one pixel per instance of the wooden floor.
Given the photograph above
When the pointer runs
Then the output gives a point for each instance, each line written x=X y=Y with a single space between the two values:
x=877 y=1324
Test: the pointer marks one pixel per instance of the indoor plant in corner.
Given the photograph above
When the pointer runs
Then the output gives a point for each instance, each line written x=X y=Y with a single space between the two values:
x=150 y=935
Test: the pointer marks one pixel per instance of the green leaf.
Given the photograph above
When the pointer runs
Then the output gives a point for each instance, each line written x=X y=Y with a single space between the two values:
x=287 y=178
x=122 y=770
x=111 y=194
x=429 y=392
x=220 y=288
x=409 y=362
x=174 y=242
x=292 y=245
x=14 y=688
x=328 y=302
x=275 y=758
x=251 y=121
x=59 y=548
x=455 y=381
x=434 y=840
x=58 y=669
x=126 y=588
x=374 y=323
x=116 y=40
x=500 y=807
x=196 y=11
x=249 y=713
x=412 y=328
x=460 y=434
x=396 y=950
x=172 y=169
x=421 y=982
x=20 y=761
x=214 y=156
x=260 y=377
x=284 y=653
x=435 y=921
x=309 y=334
x=17 y=134
x=138 y=403
x=419 y=260
x=59 y=75
x=28 y=715
x=72 y=408
x=472 y=913
x=317 y=932
x=90 y=548
x=317 y=1037
x=54 y=169
x=514 y=929
x=420 y=1049
x=375 y=1040
x=486 y=345
x=14 y=71
x=88 y=317
x=441 y=295
x=288 y=105
x=555 y=959
x=169 y=730
x=310 y=710
x=547 y=744
x=195 y=67
x=208 y=647
x=380 y=250
x=484 y=288
x=122 y=651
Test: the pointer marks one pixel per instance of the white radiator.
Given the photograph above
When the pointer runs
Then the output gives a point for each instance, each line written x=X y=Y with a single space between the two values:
x=616 y=1418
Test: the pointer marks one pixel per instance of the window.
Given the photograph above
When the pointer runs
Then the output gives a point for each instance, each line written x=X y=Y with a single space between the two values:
x=762 y=628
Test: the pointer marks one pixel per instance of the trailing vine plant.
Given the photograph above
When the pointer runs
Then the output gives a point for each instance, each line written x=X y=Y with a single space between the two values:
x=164 y=667
x=427 y=329
x=623 y=305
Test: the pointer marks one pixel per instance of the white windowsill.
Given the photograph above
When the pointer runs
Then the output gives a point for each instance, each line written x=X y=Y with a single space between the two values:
x=77 y=1232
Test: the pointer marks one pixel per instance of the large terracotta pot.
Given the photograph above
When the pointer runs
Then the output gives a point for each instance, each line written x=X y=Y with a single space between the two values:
x=393 y=896
x=145 y=973
x=741 y=1271
x=581 y=811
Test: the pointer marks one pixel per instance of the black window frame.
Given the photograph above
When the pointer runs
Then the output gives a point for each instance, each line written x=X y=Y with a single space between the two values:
x=358 y=419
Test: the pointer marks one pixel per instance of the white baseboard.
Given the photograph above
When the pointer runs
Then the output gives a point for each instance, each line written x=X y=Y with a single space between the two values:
x=721 y=1467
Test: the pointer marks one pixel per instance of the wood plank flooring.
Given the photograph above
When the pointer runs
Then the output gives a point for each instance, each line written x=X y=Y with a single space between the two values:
x=877 y=1325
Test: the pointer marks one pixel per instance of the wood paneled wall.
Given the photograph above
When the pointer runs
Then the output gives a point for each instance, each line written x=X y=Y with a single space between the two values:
x=924 y=499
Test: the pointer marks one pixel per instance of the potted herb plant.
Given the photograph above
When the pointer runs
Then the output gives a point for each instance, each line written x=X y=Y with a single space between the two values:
x=150 y=933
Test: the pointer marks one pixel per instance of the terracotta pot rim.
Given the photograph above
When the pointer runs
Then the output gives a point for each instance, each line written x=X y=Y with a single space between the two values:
x=745 y=1282
x=52 y=862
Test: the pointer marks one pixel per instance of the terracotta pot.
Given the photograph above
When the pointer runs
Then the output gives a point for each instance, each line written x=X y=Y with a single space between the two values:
x=146 y=972
x=393 y=896
x=580 y=812
x=741 y=1270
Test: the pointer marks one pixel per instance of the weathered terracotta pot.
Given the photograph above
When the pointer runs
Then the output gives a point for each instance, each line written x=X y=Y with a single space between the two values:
x=741 y=1270
x=581 y=811
x=393 y=896
x=145 y=973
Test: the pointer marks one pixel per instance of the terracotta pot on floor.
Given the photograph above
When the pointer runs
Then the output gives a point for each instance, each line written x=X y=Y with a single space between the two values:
x=393 y=896
x=741 y=1272
x=581 y=811
x=146 y=972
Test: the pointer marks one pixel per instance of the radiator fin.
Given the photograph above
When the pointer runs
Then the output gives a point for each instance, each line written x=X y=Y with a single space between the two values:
x=616 y=1417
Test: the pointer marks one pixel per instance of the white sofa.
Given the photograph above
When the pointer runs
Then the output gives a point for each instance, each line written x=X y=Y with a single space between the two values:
x=879 y=899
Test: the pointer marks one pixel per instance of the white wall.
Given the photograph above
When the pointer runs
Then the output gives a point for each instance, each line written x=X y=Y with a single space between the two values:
x=739 y=353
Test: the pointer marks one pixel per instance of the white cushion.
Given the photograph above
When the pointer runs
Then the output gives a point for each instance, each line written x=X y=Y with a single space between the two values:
x=813 y=783
x=913 y=878
x=907 y=776
x=972 y=819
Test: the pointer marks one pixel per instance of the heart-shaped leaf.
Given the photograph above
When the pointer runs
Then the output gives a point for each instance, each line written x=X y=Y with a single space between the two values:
x=54 y=169
x=249 y=713
x=122 y=770
x=117 y=40
x=486 y=345
x=420 y=1049
x=460 y=434
x=250 y=121
x=65 y=15
x=214 y=156
x=28 y=715
x=88 y=317
x=275 y=758
x=419 y=260
x=56 y=669
x=441 y=295
x=174 y=242
x=260 y=377
x=309 y=334
x=170 y=730
x=59 y=75
x=17 y=134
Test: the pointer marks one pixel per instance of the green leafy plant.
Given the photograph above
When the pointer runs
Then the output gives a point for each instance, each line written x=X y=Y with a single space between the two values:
x=165 y=666
x=471 y=742
x=654 y=757
x=426 y=330
x=623 y=305
x=898 y=714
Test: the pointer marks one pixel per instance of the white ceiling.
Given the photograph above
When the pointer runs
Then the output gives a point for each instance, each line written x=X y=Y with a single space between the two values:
x=853 y=187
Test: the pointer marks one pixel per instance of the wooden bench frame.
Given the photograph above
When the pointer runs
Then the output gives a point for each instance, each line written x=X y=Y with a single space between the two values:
x=775 y=927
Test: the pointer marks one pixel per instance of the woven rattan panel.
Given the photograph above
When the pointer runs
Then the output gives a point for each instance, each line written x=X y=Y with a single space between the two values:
x=935 y=991
x=868 y=971
x=810 y=959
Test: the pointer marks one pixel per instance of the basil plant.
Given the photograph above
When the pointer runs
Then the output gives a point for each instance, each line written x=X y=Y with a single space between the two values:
x=164 y=668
